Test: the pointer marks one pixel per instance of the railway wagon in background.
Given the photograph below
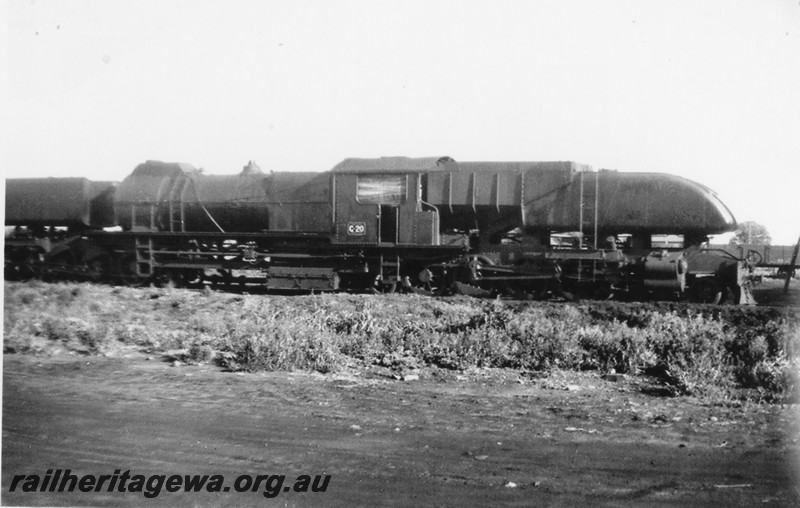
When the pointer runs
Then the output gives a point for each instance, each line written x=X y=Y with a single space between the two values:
x=431 y=225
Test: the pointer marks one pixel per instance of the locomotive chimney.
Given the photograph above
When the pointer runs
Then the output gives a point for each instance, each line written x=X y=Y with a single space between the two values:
x=251 y=169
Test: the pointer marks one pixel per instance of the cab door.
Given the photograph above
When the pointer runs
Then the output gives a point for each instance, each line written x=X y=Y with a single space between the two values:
x=389 y=224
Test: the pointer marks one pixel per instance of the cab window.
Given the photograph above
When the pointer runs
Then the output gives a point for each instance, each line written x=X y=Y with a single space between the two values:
x=381 y=190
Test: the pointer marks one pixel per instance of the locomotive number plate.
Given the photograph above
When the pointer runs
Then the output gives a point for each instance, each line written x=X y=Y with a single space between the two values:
x=356 y=228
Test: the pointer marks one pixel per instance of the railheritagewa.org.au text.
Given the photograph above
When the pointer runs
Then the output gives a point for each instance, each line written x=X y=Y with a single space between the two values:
x=151 y=486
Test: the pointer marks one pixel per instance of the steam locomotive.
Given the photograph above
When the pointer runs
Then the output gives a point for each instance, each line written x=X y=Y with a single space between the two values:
x=431 y=225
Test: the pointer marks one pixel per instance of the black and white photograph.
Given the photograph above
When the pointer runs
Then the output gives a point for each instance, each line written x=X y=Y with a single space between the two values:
x=400 y=253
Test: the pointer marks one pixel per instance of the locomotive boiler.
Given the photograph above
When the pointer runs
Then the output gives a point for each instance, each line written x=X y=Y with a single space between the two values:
x=431 y=225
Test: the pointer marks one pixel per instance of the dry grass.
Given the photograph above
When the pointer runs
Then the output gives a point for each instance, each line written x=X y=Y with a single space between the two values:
x=726 y=351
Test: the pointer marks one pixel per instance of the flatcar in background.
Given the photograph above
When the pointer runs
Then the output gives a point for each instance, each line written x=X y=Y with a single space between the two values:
x=430 y=225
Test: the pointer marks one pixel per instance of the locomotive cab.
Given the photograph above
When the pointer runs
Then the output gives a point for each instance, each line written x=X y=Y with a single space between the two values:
x=381 y=202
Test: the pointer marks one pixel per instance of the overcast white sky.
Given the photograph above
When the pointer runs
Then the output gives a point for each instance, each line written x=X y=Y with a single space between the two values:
x=709 y=90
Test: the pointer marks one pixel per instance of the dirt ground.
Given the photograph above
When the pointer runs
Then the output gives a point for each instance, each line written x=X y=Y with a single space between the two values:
x=470 y=439
x=770 y=291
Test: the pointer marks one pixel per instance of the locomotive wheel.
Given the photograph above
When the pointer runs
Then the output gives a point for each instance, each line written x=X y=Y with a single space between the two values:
x=125 y=268
x=603 y=291
x=381 y=287
x=60 y=265
x=223 y=280
x=427 y=283
x=166 y=278
x=26 y=268
x=32 y=266
x=97 y=268
x=426 y=288
x=194 y=278
x=539 y=292
x=707 y=290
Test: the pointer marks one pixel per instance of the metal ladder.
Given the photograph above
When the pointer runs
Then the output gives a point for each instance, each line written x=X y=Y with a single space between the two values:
x=144 y=256
x=390 y=266
x=180 y=220
x=588 y=208
x=143 y=246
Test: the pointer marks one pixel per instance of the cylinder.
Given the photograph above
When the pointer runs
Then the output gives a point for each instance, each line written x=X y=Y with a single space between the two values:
x=665 y=270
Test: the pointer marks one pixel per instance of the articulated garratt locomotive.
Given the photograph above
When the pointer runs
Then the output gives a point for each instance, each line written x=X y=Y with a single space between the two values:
x=432 y=225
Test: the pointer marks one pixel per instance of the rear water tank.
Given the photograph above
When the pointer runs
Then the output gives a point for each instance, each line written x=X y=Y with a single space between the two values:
x=76 y=202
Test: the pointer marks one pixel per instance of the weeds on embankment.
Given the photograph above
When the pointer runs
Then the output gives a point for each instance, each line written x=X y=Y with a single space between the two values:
x=738 y=351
